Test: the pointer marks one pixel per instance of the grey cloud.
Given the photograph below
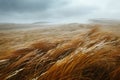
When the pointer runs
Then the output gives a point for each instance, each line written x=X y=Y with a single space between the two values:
x=39 y=9
x=77 y=11
x=24 y=5
x=28 y=9
x=32 y=10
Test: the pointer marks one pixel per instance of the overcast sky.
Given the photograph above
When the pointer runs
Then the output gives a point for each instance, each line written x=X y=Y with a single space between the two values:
x=24 y=11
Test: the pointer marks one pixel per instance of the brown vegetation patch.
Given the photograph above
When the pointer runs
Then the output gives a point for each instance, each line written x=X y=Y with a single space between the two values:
x=93 y=55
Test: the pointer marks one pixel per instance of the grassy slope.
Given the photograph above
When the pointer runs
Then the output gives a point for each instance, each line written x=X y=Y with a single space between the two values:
x=14 y=38
x=70 y=52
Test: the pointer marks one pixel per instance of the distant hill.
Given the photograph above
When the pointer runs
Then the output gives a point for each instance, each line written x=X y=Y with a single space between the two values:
x=105 y=21
x=41 y=22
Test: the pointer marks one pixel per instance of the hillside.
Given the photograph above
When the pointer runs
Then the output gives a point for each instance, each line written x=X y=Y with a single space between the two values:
x=61 y=52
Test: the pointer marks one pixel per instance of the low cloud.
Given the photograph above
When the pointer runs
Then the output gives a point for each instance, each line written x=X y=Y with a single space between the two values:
x=55 y=10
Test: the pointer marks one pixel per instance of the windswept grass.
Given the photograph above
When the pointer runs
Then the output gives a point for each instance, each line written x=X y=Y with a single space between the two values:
x=91 y=55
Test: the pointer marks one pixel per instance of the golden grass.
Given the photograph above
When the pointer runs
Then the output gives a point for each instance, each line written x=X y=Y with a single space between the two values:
x=91 y=55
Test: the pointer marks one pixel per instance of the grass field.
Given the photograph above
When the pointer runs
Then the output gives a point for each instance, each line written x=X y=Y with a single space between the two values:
x=60 y=52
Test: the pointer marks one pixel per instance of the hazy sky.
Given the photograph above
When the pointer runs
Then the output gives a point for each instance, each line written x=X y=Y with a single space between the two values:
x=58 y=10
